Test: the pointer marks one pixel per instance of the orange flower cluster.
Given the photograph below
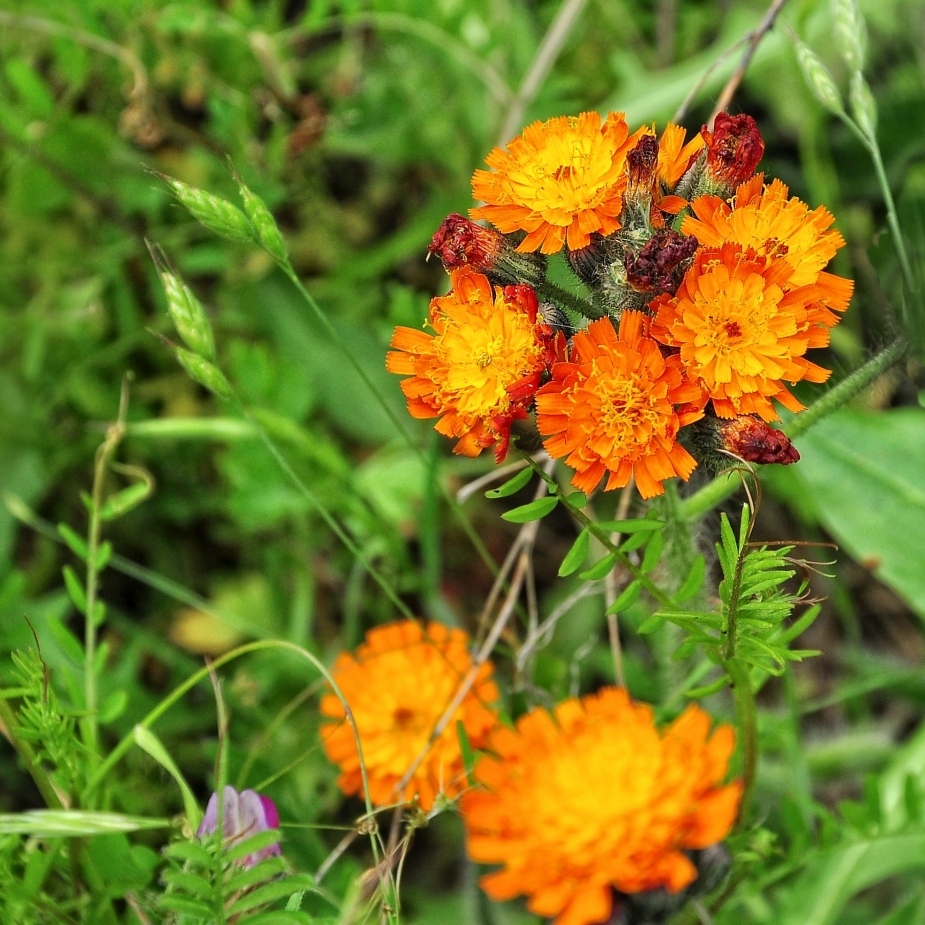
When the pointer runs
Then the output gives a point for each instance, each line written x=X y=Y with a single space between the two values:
x=575 y=805
x=398 y=685
x=594 y=798
x=708 y=289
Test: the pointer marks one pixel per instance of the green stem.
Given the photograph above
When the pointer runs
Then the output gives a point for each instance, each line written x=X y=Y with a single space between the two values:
x=747 y=713
x=104 y=454
x=892 y=217
x=555 y=293
x=725 y=485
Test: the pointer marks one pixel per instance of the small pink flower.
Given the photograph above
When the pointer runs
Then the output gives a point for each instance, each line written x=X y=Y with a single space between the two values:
x=244 y=814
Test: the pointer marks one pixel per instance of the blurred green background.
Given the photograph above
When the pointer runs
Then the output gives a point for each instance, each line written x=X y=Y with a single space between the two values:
x=360 y=124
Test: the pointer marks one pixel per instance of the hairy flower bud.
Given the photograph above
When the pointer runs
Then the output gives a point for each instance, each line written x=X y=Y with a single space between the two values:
x=213 y=212
x=659 y=267
x=734 y=149
x=459 y=241
x=641 y=163
x=745 y=437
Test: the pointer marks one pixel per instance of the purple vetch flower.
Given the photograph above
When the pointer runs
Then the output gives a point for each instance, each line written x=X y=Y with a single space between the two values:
x=243 y=814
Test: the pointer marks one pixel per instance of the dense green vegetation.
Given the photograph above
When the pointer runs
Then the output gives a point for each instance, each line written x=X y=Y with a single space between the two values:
x=359 y=124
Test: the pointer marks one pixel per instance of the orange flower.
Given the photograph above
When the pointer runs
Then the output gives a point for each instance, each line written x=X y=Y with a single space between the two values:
x=611 y=409
x=674 y=156
x=742 y=329
x=594 y=798
x=560 y=181
x=481 y=367
x=764 y=219
x=398 y=685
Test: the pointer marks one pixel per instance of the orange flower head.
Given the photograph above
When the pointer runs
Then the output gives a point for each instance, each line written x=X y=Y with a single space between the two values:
x=560 y=181
x=595 y=798
x=764 y=219
x=481 y=367
x=398 y=683
x=742 y=330
x=611 y=408
x=675 y=155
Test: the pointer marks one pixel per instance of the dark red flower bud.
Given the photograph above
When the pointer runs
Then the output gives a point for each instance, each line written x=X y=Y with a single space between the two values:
x=642 y=161
x=734 y=149
x=459 y=241
x=753 y=440
x=660 y=265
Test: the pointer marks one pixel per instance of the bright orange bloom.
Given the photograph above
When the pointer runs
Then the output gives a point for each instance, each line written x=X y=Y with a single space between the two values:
x=764 y=219
x=674 y=156
x=594 y=798
x=742 y=329
x=612 y=408
x=560 y=181
x=482 y=366
x=398 y=684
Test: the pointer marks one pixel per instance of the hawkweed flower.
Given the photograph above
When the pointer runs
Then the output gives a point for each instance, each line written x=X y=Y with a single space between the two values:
x=612 y=409
x=747 y=438
x=659 y=266
x=560 y=181
x=399 y=683
x=460 y=242
x=479 y=370
x=767 y=221
x=594 y=798
x=741 y=330
x=244 y=815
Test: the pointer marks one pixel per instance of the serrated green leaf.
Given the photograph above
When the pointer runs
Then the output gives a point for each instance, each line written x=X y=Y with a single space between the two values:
x=693 y=582
x=512 y=485
x=600 y=568
x=75 y=589
x=576 y=556
x=628 y=596
x=532 y=511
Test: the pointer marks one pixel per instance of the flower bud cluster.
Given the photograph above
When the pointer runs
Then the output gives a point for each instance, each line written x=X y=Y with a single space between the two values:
x=707 y=286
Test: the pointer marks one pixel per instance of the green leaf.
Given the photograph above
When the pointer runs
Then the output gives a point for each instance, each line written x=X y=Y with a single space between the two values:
x=576 y=556
x=863 y=471
x=186 y=906
x=829 y=880
x=653 y=553
x=75 y=589
x=191 y=852
x=76 y=544
x=600 y=568
x=532 y=511
x=262 y=896
x=693 y=582
x=148 y=742
x=512 y=485
x=103 y=555
x=123 y=501
x=56 y=823
x=251 y=845
x=651 y=625
x=627 y=598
